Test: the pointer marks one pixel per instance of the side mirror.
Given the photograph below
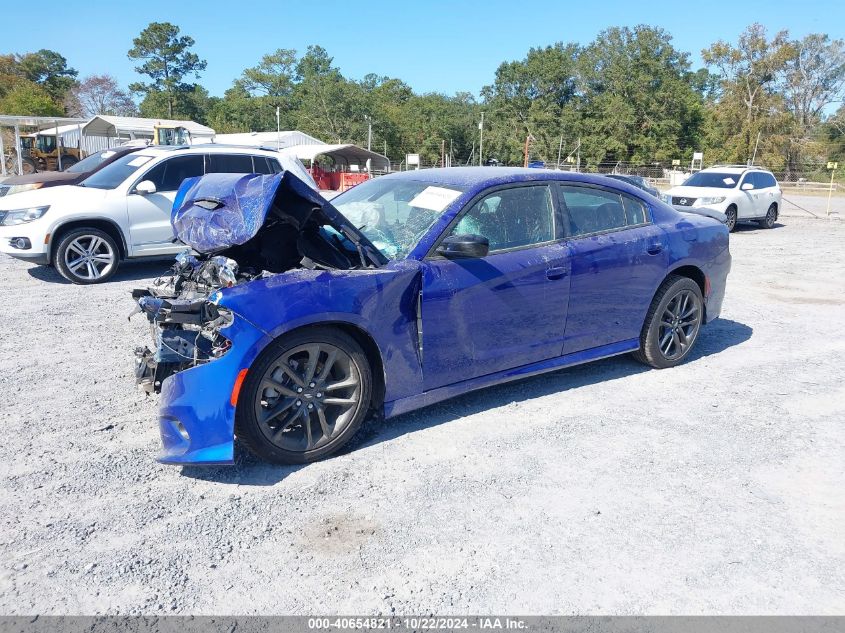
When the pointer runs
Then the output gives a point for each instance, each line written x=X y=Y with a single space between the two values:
x=456 y=246
x=145 y=187
x=747 y=186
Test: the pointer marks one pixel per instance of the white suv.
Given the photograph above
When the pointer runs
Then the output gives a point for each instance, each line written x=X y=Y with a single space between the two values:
x=740 y=192
x=120 y=212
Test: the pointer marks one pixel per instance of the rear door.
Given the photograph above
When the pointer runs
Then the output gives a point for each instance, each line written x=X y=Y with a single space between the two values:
x=149 y=215
x=618 y=259
x=508 y=309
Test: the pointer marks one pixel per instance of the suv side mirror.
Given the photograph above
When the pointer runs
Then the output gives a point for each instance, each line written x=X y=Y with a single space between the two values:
x=145 y=187
x=468 y=245
x=747 y=186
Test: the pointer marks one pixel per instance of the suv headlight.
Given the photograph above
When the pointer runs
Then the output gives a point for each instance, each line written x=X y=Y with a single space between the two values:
x=712 y=200
x=665 y=197
x=22 y=216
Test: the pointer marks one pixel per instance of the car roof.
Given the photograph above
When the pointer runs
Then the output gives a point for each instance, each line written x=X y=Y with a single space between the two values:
x=205 y=148
x=734 y=169
x=477 y=177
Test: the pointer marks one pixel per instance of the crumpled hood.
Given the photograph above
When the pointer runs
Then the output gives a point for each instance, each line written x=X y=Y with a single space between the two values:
x=214 y=212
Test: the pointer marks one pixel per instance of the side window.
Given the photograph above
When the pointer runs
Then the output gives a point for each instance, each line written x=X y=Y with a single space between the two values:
x=511 y=218
x=635 y=212
x=749 y=178
x=261 y=165
x=169 y=174
x=229 y=164
x=594 y=210
x=766 y=180
x=275 y=166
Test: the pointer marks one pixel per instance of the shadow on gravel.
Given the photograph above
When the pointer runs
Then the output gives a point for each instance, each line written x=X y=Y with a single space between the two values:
x=128 y=271
x=716 y=337
x=247 y=470
x=753 y=227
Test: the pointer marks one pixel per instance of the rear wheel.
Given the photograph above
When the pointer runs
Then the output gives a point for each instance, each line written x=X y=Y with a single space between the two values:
x=86 y=256
x=731 y=216
x=305 y=397
x=68 y=162
x=771 y=217
x=672 y=324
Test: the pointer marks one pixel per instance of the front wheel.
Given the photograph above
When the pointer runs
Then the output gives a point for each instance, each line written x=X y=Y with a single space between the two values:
x=304 y=397
x=731 y=216
x=672 y=323
x=87 y=256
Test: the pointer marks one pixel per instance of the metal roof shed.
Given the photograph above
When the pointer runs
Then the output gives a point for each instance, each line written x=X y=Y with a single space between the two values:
x=345 y=155
x=38 y=122
x=280 y=140
x=131 y=128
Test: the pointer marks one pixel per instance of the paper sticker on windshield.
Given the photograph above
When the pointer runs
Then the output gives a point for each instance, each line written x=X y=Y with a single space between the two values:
x=434 y=198
x=729 y=181
x=139 y=160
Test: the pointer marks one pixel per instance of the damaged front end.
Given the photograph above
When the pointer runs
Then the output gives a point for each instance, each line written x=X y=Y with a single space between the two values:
x=185 y=325
x=241 y=228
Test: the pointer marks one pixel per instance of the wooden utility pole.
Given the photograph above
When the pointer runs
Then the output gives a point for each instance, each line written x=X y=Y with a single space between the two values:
x=528 y=140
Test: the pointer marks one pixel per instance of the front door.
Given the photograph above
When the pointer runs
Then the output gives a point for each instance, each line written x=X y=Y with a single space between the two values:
x=618 y=258
x=484 y=315
x=149 y=215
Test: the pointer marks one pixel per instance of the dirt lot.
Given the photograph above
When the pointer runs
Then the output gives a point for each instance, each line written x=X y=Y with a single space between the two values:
x=715 y=487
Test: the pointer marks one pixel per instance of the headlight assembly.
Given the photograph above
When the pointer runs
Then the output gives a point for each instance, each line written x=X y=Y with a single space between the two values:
x=714 y=200
x=22 y=216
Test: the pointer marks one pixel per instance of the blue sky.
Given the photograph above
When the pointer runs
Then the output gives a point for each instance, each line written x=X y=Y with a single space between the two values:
x=433 y=46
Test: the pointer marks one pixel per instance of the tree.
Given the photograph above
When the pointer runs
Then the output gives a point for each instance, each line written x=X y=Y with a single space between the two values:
x=273 y=77
x=48 y=69
x=748 y=103
x=168 y=61
x=537 y=97
x=29 y=99
x=191 y=103
x=814 y=79
x=99 y=94
x=640 y=98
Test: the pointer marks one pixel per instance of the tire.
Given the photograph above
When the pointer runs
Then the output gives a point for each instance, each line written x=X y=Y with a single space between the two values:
x=731 y=218
x=667 y=336
x=771 y=217
x=67 y=162
x=29 y=166
x=87 y=256
x=282 y=418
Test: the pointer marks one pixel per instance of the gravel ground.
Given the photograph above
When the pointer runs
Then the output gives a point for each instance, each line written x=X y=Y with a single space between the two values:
x=714 y=487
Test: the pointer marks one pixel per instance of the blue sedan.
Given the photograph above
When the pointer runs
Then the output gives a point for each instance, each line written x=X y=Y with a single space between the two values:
x=300 y=318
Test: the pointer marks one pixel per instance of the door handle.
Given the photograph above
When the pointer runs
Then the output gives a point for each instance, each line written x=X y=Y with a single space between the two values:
x=654 y=249
x=558 y=272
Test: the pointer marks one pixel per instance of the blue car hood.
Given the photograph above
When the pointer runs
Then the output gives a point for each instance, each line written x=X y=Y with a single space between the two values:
x=217 y=211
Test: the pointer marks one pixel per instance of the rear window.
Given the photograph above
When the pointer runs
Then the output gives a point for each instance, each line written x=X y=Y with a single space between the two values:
x=230 y=164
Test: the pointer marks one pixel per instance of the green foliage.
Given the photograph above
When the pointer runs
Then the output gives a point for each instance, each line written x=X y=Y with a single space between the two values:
x=167 y=60
x=29 y=99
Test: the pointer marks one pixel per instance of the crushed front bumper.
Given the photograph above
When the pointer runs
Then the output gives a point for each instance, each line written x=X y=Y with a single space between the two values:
x=196 y=415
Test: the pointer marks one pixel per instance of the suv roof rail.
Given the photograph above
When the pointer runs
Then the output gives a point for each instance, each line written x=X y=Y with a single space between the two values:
x=737 y=166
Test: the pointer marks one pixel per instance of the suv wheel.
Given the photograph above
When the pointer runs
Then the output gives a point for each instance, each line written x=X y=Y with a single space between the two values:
x=731 y=218
x=87 y=256
x=771 y=216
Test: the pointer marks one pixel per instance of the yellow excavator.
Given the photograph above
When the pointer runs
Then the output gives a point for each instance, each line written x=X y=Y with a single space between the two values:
x=171 y=135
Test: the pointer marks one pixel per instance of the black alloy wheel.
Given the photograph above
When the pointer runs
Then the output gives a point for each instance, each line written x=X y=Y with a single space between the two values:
x=672 y=324
x=304 y=398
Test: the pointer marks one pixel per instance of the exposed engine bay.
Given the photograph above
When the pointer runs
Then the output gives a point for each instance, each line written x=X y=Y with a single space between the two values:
x=241 y=228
